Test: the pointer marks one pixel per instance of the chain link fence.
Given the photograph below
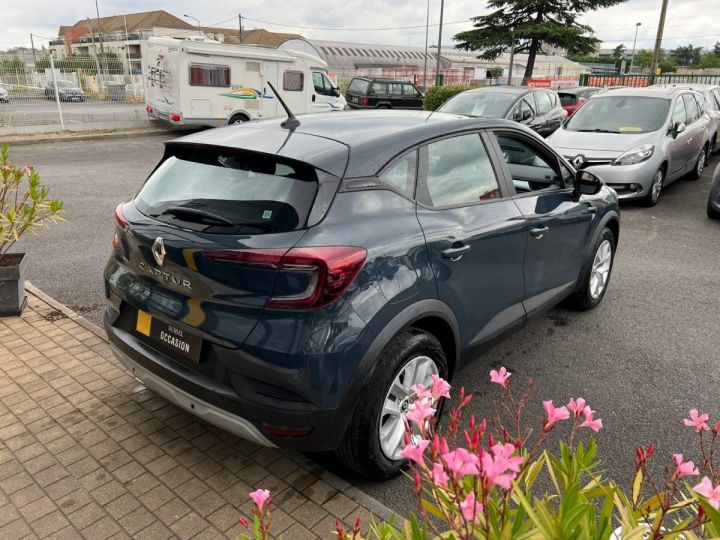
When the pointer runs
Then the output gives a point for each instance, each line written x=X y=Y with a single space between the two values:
x=74 y=93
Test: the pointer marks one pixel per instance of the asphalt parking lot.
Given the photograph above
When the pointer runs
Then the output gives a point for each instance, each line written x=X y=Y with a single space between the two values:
x=642 y=359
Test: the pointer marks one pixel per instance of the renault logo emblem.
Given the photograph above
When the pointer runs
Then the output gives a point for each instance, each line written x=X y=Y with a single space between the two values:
x=578 y=161
x=158 y=251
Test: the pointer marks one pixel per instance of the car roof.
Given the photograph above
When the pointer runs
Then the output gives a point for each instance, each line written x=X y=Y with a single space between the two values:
x=364 y=140
x=643 y=92
x=515 y=90
x=383 y=79
x=686 y=86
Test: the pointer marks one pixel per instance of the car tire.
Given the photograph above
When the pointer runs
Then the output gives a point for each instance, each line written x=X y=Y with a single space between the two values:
x=383 y=106
x=653 y=194
x=361 y=448
x=598 y=268
x=237 y=119
x=712 y=212
x=697 y=171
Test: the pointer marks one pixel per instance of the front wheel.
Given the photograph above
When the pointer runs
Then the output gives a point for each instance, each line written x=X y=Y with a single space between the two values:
x=597 y=274
x=653 y=195
x=376 y=435
x=237 y=119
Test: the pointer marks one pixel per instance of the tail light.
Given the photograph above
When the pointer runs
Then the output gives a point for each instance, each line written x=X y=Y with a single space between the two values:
x=330 y=271
x=121 y=222
x=149 y=109
x=175 y=117
x=366 y=101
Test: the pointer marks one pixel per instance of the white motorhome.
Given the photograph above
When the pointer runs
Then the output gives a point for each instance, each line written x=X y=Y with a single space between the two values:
x=194 y=81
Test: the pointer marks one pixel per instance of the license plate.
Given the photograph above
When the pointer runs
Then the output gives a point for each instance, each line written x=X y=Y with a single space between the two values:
x=168 y=337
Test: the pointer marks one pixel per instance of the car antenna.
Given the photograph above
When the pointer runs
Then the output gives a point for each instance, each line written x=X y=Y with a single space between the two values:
x=291 y=122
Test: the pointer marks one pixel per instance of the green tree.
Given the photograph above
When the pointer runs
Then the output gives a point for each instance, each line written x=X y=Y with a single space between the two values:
x=530 y=24
x=710 y=61
x=12 y=64
x=716 y=49
x=687 y=55
x=643 y=58
x=618 y=53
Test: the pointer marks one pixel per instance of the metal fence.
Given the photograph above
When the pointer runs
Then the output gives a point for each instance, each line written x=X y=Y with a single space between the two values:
x=80 y=92
x=646 y=80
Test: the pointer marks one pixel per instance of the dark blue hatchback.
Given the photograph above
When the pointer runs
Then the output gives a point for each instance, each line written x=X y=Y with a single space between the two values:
x=292 y=285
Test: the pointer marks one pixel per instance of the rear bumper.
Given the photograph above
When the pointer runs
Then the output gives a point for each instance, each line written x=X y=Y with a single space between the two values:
x=207 y=411
x=243 y=413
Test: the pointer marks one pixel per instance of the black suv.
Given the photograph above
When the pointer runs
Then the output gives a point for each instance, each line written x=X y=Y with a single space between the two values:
x=363 y=93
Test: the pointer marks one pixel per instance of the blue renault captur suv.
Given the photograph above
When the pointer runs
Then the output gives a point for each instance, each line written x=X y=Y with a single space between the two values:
x=290 y=283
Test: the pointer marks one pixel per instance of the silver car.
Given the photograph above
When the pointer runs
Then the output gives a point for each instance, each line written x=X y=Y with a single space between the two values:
x=711 y=93
x=638 y=140
x=4 y=96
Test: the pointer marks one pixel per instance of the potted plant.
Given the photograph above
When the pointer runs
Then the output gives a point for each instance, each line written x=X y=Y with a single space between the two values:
x=24 y=207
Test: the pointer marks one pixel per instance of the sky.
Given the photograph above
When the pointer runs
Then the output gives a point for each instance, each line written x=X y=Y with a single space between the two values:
x=365 y=21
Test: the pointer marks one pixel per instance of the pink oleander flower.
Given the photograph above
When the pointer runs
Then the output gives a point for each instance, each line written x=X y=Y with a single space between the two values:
x=500 y=376
x=420 y=391
x=419 y=411
x=439 y=476
x=471 y=509
x=553 y=415
x=440 y=387
x=706 y=489
x=461 y=462
x=495 y=471
x=589 y=422
x=576 y=406
x=416 y=451
x=505 y=452
x=28 y=170
x=259 y=496
x=682 y=469
x=6 y=168
x=698 y=421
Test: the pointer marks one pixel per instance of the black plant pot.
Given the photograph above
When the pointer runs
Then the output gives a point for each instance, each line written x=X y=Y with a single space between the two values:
x=12 y=284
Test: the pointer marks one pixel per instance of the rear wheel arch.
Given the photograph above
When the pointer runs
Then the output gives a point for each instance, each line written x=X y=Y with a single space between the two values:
x=443 y=332
x=232 y=119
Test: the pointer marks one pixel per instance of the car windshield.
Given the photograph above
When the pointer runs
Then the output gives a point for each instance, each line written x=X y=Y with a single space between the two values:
x=239 y=193
x=488 y=104
x=620 y=114
x=64 y=84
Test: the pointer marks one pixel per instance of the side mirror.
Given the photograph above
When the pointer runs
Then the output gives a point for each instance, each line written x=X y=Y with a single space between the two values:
x=526 y=115
x=336 y=91
x=586 y=183
x=678 y=128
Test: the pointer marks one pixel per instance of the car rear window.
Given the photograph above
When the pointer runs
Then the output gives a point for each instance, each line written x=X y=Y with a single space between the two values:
x=229 y=192
x=567 y=99
x=359 y=86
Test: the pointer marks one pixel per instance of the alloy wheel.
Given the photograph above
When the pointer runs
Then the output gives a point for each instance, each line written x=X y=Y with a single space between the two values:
x=657 y=186
x=417 y=370
x=600 y=269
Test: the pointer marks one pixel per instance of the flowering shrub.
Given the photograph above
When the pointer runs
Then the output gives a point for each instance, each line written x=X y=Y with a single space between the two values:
x=24 y=203
x=481 y=478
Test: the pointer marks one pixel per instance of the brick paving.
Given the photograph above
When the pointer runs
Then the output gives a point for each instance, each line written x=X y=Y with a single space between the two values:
x=86 y=451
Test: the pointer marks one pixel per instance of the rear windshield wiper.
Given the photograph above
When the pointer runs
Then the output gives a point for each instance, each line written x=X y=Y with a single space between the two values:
x=195 y=214
x=597 y=130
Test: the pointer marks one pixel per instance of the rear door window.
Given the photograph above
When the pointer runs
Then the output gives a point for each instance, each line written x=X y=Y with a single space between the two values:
x=379 y=88
x=459 y=172
x=543 y=102
x=231 y=193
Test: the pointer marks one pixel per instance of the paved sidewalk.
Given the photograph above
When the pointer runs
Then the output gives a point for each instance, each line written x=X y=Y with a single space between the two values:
x=87 y=451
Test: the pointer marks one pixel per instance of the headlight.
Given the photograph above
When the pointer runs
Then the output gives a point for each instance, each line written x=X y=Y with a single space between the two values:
x=636 y=155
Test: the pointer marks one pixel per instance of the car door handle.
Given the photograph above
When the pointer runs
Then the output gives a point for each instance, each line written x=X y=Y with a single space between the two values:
x=455 y=253
x=539 y=232
x=591 y=209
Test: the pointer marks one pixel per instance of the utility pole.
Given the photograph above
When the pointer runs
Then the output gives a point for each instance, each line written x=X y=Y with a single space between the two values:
x=32 y=44
x=658 y=39
x=240 y=25
x=427 y=31
x=439 y=51
x=512 y=56
x=97 y=13
x=632 y=57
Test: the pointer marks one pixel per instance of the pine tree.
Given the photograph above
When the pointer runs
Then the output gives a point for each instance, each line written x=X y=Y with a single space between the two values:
x=530 y=24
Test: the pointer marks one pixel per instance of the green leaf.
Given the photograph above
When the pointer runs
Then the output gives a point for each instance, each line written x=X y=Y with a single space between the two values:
x=637 y=484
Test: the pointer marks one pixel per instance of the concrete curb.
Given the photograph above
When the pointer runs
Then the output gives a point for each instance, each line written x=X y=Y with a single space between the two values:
x=64 y=137
x=378 y=509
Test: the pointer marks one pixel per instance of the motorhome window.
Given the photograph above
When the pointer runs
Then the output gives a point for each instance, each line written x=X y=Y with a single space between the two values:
x=293 y=81
x=209 y=75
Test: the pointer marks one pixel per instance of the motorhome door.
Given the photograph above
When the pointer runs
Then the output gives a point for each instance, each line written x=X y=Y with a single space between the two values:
x=269 y=101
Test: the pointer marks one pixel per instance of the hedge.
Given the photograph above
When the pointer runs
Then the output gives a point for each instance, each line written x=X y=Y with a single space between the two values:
x=437 y=95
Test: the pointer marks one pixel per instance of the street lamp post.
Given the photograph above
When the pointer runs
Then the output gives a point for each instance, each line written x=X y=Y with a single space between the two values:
x=194 y=19
x=439 y=51
x=632 y=57
x=427 y=30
